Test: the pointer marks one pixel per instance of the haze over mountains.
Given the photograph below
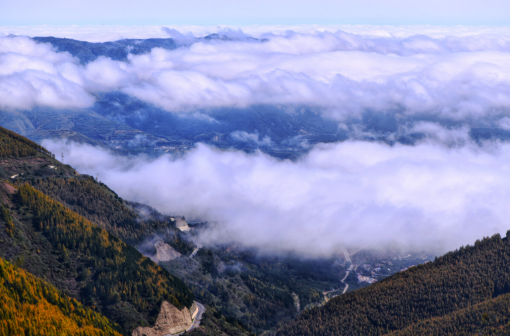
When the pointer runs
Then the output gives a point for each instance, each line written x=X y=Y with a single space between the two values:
x=361 y=87
x=381 y=129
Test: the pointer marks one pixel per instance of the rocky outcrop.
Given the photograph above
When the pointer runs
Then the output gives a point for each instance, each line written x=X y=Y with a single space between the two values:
x=182 y=225
x=193 y=310
x=170 y=321
x=164 y=252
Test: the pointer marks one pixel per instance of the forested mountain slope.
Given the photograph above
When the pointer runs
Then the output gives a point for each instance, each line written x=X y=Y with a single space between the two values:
x=75 y=255
x=491 y=317
x=15 y=145
x=21 y=157
x=46 y=234
x=455 y=281
x=84 y=260
x=261 y=298
x=31 y=306
x=101 y=205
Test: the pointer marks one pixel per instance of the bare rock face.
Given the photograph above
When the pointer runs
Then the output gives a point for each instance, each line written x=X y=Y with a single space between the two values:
x=170 y=321
x=164 y=252
x=182 y=225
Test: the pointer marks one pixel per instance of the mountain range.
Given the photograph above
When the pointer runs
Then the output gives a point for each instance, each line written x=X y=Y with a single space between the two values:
x=128 y=125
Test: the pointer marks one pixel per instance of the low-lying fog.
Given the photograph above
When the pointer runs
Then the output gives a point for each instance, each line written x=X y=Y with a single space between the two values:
x=355 y=193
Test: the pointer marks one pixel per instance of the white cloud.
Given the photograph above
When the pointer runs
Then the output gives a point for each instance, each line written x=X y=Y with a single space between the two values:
x=441 y=193
x=251 y=137
x=504 y=123
x=456 y=137
x=35 y=75
x=104 y=33
x=354 y=193
x=342 y=73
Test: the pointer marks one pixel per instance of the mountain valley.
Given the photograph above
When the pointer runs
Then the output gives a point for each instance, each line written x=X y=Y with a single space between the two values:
x=78 y=237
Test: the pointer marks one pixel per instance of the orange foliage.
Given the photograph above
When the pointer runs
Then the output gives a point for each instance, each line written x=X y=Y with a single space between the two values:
x=30 y=306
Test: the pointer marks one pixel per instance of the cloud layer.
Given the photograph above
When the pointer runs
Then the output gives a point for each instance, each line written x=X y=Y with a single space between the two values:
x=441 y=193
x=102 y=33
x=342 y=74
x=354 y=193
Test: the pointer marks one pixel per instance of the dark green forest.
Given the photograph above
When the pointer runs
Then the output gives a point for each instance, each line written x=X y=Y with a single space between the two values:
x=96 y=202
x=491 y=317
x=85 y=261
x=455 y=281
x=114 y=274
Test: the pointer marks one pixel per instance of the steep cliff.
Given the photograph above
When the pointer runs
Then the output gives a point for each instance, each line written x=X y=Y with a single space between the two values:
x=170 y=321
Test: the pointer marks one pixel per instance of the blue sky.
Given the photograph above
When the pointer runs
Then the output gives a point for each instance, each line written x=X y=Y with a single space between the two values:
x=239 y=12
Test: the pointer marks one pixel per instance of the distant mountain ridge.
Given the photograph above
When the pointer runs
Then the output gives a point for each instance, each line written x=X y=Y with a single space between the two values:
x=116 y=50
x=119 y=50
x=128 y=125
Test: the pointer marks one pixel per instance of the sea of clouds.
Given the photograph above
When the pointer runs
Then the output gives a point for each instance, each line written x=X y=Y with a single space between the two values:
x=353 y=193
x=439 y=194
x=342 y=73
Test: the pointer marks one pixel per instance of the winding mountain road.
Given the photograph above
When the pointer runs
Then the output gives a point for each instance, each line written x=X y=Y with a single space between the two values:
x=347 y=258
x=194 y=253
x=198 y=318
